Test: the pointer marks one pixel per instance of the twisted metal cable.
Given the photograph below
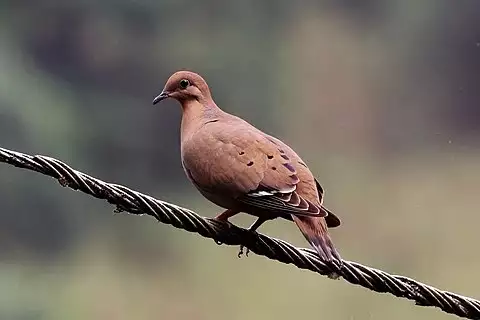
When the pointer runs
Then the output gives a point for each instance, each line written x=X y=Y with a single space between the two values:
x=136 y=203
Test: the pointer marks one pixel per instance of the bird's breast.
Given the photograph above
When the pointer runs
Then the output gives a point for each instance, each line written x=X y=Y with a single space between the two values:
x=198 y=158
x=201 y=169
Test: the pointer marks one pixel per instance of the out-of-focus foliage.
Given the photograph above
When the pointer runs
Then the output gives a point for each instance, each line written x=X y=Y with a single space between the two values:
x=381 y=98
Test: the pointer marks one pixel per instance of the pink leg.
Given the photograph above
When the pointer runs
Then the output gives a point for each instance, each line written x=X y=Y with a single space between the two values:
x=225 y=215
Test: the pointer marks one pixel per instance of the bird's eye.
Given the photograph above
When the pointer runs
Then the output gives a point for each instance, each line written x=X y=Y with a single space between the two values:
x=184 y=83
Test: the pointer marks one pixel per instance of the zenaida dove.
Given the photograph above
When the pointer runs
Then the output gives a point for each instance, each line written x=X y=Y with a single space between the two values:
x=242 y=169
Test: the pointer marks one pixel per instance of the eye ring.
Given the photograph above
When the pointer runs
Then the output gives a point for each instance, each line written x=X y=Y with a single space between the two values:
x=184 y=83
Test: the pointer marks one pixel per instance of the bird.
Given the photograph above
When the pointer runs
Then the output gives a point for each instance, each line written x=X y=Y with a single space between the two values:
x=242 y=169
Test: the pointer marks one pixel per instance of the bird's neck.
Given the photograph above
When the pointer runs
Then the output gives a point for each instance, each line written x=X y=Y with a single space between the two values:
x=196 y=114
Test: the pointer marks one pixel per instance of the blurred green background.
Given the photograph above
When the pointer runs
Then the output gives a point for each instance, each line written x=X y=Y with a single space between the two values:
x=381 y=98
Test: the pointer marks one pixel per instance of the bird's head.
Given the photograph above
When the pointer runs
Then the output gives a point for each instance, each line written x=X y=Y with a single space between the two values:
x=184 y=86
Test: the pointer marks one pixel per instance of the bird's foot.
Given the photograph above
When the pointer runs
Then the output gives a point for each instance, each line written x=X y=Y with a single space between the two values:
x=252 y=232
x=223 y=217
x=240 y=253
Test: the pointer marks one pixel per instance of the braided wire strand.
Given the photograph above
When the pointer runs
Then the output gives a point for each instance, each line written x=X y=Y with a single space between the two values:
x=137 y=203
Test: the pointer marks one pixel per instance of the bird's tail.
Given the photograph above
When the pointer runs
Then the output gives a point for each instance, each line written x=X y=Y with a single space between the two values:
x=315 y=231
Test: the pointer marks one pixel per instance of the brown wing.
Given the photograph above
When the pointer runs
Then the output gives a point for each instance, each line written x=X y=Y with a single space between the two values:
x=238 y=161
x=331 y=219
x=276 y=189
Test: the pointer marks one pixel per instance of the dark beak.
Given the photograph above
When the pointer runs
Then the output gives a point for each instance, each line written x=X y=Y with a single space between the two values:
x=162 y=96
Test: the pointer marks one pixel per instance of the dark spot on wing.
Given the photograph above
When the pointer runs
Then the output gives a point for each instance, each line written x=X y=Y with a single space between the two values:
x=241 y=153
x=289 y=167
x=272 y=141
x=281 y=150
x=210 y=121
x=250 y=164
x=295 y=178
x=269 y=156
x=303 y=164
x=274 y=168
x=284 y=156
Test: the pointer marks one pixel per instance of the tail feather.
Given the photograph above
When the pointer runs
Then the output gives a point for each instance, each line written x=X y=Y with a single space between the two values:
x=315 y=231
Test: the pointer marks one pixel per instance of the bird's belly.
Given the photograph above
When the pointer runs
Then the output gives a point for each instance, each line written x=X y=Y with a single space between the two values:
x=216 y=196
x=222 y=201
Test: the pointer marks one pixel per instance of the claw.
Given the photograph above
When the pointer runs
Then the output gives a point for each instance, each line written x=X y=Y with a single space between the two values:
x=240 y=253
